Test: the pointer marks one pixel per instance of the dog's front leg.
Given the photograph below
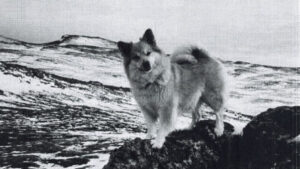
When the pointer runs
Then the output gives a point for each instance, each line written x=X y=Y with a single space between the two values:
x=150 y=120
x=167 y=119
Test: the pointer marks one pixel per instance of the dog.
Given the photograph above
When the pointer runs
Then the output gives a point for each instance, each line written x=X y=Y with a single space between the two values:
x=166 y=85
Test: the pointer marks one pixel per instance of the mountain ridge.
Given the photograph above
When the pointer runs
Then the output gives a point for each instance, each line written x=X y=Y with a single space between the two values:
x=64 y=38
x=67 y=38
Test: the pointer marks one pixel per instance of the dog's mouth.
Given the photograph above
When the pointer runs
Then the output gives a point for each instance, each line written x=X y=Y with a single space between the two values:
x=145 y=70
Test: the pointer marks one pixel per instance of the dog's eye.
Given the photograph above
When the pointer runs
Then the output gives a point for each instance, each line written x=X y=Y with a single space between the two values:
x=135 y=57
x=148 y=53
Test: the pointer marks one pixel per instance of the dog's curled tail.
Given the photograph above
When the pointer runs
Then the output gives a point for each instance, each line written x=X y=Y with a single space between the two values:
x=188 y=55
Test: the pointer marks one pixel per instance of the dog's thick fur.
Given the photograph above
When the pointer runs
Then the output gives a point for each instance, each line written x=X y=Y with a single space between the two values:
x=165 y=85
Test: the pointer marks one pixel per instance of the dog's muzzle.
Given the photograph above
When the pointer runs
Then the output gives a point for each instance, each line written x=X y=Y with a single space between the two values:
x=145 y=67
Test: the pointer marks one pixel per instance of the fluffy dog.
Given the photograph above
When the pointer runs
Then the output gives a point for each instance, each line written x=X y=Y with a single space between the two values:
x=165 y=85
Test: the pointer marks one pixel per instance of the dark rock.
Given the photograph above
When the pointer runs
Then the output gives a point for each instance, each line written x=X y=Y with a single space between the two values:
x=68 y=162
x=23 y=161
x=197 y=148
x=1 y=92
x=70 y=153
x=265 y=144
x=266 y=139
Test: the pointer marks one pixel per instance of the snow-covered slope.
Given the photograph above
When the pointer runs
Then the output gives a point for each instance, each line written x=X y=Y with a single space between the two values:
x=67 y=103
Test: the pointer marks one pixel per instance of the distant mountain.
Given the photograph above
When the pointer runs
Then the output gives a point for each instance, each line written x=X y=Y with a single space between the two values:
x=67 y=40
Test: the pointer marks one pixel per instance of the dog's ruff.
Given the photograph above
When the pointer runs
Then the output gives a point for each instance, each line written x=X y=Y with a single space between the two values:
x=171 y=85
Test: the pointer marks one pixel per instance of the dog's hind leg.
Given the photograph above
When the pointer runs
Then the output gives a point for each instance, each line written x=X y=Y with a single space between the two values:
x=216 y=100
x=219 y=128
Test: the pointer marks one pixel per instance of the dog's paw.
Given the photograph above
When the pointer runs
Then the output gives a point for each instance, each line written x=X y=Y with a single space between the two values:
x=219 y=131
x=157 y=143
x=191 y=126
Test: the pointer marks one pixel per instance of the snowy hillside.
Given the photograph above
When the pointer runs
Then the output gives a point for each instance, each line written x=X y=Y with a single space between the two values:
x=67 y=103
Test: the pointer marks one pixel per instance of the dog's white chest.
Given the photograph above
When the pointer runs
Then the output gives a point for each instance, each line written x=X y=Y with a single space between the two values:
x=152 y=97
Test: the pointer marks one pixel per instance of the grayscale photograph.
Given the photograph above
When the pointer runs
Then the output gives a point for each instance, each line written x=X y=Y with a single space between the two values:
x=156 y=84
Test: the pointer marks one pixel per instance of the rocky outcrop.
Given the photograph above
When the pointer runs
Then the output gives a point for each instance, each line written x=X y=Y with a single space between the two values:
x=266 y=143
x=267 y=140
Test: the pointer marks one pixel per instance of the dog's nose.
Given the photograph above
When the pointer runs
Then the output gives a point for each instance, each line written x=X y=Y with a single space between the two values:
x=146 y=66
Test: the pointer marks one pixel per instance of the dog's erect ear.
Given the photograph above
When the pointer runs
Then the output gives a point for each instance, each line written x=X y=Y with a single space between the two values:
x=149 y=37
x=125 y=48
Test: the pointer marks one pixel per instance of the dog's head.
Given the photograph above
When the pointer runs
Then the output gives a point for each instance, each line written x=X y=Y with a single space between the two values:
x=143 y=55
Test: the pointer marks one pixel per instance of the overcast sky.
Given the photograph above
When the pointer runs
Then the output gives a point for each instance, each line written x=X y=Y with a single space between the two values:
x=173 y=21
